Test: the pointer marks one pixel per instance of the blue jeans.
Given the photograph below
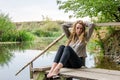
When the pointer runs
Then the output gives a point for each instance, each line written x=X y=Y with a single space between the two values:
x=68 y=57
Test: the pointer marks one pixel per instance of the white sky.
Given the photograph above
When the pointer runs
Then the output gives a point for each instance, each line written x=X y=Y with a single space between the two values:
x=32 y=10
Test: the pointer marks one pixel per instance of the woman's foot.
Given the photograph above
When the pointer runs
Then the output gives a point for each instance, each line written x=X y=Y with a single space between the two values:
x=48 y=75
x=53 y=74
x=55 y=71
x=52 y=68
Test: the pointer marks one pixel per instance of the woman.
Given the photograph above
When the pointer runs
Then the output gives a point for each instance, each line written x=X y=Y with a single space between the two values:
x=73 y=54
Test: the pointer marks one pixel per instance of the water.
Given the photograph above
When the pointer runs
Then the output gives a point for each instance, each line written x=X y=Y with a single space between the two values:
x=22 y=57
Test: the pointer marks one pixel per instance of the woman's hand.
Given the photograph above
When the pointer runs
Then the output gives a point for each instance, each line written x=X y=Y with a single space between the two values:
x=87 y=24
x=68 y=25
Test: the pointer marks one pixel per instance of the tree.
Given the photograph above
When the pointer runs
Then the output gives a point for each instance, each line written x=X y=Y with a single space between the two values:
x=104 y=10
x=5 y=23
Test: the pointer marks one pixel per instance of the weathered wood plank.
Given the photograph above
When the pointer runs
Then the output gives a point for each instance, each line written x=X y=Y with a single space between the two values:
x=91 y=73
x=98 y=74
x=103 y=71
x=41 y=68
x=108 y=24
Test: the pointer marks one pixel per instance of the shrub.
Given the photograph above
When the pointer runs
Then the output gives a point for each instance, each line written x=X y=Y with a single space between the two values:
x=24 y=36
x=42 y=33
x=8 y=31
x=5 y=23
x=13 y=35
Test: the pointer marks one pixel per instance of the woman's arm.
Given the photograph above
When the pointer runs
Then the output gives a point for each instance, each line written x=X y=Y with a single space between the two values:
x=65 y=28
x=90 y=29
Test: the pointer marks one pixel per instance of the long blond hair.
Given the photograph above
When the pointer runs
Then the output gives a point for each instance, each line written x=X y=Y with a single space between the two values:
x=73 y=34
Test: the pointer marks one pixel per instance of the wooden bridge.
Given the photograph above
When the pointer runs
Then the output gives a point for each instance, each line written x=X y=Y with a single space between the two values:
x=68 y=74
x=79 y=74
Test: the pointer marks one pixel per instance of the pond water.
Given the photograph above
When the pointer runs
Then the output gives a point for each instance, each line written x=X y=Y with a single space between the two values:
x=21 y=57
x=14 y=56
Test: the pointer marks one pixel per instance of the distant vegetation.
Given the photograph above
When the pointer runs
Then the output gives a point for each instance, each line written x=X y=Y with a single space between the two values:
x=49 y=29
x=42 y=29
x=27 y=31
x=9 y=32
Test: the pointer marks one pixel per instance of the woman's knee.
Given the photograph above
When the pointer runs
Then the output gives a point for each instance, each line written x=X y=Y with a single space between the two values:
x=61 y=46
x=67 y=47
x=60 y=49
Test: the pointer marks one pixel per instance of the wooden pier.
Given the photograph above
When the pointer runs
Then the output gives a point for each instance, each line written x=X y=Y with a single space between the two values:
x=80 y=74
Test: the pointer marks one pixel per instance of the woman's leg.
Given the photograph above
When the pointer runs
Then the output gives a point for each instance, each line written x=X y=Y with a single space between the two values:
x=52 y=68
x=83 y=61
x=57 y=59
x=59 y=54
x=57 y=69
x=68 y=55
x=70 y=58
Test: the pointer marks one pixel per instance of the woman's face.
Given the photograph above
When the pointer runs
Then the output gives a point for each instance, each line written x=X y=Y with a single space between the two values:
x=79 y=29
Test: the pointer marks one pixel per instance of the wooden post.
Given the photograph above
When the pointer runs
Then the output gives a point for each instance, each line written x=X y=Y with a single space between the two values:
x=31 y=70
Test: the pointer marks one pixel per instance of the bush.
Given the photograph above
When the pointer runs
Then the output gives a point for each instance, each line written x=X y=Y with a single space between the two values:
x=24 y=36
x=49 y=29
x=8 y=31
x=14 y=35
x=42 y=33
x=5 y=23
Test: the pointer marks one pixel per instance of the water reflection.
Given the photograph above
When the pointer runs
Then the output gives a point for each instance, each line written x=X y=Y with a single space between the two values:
x=5 y=56
x=20 y=59
x=6 y=51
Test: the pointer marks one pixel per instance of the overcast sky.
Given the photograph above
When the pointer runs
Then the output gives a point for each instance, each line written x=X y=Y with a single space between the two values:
x=32 y=10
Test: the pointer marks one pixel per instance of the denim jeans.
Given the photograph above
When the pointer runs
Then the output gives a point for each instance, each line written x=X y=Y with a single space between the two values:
x=67 y=56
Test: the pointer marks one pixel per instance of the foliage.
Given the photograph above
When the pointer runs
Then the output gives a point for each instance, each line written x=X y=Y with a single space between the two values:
x=105 y=10
x=13 y=35
x=8 y=31
x=106 y=63
x=45 y=28
x=42 y=33
x=51 y=26
x=48 y=29
x=24 y=36
x=5 y=23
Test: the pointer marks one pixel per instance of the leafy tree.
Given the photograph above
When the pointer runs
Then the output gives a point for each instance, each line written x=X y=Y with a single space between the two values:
x=105 y=10
x=5 y=23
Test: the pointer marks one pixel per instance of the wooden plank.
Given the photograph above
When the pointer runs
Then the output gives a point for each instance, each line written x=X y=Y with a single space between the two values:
x=108 y=24
x=103 y=71
x=91 y=73
x=42 y=68
x=98 y=74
